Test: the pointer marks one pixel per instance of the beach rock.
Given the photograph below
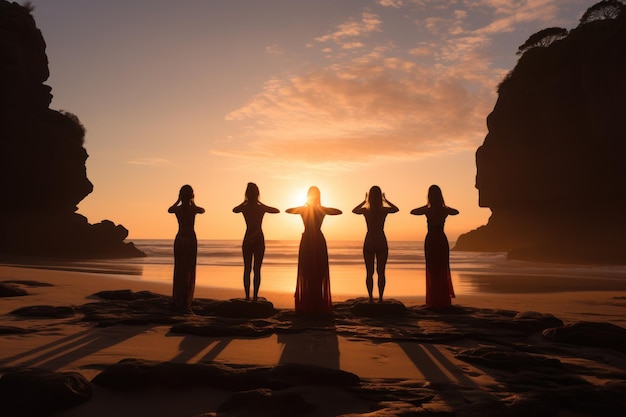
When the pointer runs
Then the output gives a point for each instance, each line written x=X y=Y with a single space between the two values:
x=221 y=328
x=42 y=158
x=140 y=311
x=363 y=307
x=133 y=374
x=28 y=283
x=14 y=330
x=51 y=312
x=529 y=322
x=39 y=393
x=264 y=403
x=550 y=168
x=299 y=374
x=500 y=357
x=126 y=295
x=602 y=335
x=8 y=290
x=238 y=307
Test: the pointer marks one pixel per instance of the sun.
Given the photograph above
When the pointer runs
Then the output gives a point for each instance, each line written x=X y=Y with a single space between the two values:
x=296 y=197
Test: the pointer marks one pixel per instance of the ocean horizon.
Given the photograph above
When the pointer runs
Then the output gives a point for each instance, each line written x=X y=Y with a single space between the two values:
x=220 y=265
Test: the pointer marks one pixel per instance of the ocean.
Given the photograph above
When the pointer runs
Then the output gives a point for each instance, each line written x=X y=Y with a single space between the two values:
x=220 y=265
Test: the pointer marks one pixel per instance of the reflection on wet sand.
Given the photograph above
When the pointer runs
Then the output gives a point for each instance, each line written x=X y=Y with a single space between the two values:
x=524 y=284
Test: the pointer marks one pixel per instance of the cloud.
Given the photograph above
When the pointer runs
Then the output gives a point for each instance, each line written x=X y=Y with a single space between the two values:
x=509 y=14
x=149 y=161
x=274 y=50
x=370 y=107
x=391 y=3
x=374 y=99
x=345 y=33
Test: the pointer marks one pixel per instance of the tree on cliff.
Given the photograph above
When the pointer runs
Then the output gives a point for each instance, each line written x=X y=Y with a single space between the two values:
x=606 y=9
x=542 y=38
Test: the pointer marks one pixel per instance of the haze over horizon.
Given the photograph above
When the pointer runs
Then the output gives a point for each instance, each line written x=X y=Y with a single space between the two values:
x=342 y=95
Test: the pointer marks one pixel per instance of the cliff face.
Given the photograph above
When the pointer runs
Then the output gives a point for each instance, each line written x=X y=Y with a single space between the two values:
x=42 y=159
x=552 y=168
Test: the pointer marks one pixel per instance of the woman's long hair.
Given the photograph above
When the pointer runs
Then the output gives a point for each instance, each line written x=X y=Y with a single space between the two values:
x=186 y=194
x=252 y=193
x=435 y=197
x=314 y=197
x=375 y=197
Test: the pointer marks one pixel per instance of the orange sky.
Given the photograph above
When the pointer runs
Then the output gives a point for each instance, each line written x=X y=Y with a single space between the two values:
x=342 y=95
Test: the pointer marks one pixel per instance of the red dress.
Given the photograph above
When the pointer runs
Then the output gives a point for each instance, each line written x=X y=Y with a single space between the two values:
x=439 y=290
x=313 y=283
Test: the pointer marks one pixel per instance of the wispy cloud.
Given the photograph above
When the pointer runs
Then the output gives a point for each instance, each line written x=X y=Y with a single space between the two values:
x=368 y=107
x=274 y=50
x=345 y=33
x=374 y=99
x=149 y=161
x=509 y=14
x=391 y=3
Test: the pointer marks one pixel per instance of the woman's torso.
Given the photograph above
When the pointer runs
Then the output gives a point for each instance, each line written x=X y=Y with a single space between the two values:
x=186 y=216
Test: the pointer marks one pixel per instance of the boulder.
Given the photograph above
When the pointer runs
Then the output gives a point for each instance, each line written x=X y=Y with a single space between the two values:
x=238 y=307
x=585 y=333
x=8 y=290
x=390 y=307
x=52 y=312
x=264 y=403
x=39 y=393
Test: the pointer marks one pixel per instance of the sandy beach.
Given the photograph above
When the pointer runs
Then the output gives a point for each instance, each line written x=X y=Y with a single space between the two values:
x=69 y=344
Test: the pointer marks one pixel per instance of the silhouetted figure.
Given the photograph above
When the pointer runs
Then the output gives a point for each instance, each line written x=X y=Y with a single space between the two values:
x=439 y=290
x=313 y=283
x=185 y=249
x=253 y=245
x=375 y=248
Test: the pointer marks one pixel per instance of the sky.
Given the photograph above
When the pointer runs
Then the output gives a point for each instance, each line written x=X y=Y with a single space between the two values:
x=341 y=94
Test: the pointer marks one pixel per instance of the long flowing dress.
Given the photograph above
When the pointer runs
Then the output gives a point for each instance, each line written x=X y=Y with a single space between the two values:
x=439 y=290
x=185 y=254
x=313 y=283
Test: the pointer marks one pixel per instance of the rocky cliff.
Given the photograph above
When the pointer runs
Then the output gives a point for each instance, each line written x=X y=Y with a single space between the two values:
x=552 y=168
x=42 y=158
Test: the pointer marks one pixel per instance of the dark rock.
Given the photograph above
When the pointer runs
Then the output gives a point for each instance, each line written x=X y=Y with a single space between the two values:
x=593 y=400
x=39 y=393
x=14 y=330
x=507 y=359
x=42 y=158
x=216 y=328
x=238 y=307
x=126 y=295
x=155 y=310
x=52 y=312
x=363 y=307
x=298 y=374
x=29 y=283
x=551 y=167
x=133 y=374
x=529 y=322
x=264 y=403
x=603 y=335
x=8 y=290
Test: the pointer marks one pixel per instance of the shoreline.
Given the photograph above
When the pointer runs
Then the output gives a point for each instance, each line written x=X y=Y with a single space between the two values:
x=379 y=356
x=569 y=306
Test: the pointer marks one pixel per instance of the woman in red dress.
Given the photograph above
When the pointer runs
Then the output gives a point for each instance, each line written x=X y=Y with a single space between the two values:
x=375 y=248
x=439 y=290
x=253 y=245
x=185 y=249
x=313 y=283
